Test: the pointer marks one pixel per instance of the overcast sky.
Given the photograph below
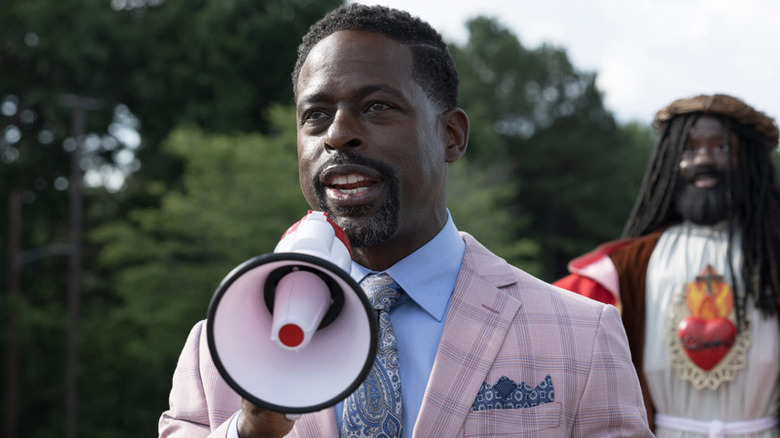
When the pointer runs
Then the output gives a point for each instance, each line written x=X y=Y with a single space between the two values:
x=646 y=52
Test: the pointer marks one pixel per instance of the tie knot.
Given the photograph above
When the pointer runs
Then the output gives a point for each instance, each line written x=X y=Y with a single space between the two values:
x=382 y=291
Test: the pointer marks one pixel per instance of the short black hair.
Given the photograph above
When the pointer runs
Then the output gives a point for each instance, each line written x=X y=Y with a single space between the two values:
x=432 y=65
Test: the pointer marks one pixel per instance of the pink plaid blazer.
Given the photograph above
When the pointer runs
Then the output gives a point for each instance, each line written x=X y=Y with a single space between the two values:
x=502 y=322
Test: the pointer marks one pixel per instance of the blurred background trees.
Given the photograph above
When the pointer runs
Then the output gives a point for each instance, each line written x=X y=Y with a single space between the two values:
x=187 y=154
x=541 y=124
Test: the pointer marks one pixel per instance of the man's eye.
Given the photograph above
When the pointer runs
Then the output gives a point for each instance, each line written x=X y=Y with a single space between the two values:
x=313 y=115
x=377 y=106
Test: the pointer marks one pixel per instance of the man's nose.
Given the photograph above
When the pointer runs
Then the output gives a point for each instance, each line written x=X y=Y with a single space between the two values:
x=704 y=156
x=344 y=132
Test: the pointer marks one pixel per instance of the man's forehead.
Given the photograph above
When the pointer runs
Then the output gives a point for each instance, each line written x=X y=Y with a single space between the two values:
x=359 y=55
x=711 y=126
x=708 y=123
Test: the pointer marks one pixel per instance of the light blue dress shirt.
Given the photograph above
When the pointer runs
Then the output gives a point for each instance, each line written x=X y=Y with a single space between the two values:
x=428 y=277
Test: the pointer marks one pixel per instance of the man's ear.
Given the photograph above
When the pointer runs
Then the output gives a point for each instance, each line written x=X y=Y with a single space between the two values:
x=457 y=126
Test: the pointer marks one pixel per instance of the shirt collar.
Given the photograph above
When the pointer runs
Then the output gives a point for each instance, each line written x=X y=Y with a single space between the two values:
x=428 y=275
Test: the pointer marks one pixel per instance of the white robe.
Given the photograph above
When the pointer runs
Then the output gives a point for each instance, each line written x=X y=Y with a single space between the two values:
x=681 y=254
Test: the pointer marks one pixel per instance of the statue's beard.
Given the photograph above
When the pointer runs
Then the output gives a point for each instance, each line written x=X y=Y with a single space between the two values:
x=706 y=206
x=363 y=232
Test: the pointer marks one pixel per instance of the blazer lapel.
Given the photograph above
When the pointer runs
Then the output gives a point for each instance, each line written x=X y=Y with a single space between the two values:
x=477 y=322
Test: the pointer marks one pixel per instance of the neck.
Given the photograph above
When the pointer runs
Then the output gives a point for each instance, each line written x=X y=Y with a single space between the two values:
x=380 y=258
x=398 y=247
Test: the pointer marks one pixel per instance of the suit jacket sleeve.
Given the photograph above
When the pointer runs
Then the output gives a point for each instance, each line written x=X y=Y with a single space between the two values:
x=611 y=403
x=199 y=406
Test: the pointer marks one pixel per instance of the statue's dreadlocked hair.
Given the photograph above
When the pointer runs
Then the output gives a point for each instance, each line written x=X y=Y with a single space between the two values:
x=760 y=220
x=654 y=207
x=758 y=217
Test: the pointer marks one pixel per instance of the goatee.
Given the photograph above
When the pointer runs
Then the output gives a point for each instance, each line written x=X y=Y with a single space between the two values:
x=362 y=231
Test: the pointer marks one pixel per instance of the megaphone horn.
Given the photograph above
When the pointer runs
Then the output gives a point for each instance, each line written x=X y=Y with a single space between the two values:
x=291 y=331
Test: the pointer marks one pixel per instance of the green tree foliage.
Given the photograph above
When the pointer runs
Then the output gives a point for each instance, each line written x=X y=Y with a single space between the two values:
x=213 y=64
x=478 y=198
x=150 y=66
x=576 y=171
x=239 y=194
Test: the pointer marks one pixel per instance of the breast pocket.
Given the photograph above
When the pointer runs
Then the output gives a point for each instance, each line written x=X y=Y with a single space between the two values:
x=514 y=422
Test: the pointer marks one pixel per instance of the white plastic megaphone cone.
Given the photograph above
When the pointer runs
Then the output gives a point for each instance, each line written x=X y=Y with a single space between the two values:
x=291 y=331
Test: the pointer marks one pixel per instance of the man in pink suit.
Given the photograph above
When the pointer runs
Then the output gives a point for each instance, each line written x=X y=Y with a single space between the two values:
x=485 y=349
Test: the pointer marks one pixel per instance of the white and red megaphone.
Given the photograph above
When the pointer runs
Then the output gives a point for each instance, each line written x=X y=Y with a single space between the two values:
x=291 y=331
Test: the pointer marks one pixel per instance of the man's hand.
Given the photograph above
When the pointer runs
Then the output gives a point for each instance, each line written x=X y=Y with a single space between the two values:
x=254 y=422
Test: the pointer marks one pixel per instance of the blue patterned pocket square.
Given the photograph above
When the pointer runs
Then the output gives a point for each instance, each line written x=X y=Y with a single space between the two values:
x=506 y=394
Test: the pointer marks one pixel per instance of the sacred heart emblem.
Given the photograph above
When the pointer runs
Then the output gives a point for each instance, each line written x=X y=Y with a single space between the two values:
x=707 y=334
x=706 y=341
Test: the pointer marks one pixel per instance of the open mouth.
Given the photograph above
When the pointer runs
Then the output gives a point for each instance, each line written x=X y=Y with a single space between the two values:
x=706 y=179
x=351 y=184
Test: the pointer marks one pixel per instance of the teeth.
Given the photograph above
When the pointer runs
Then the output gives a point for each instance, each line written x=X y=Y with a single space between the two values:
x=348 y=179
x=353 y=191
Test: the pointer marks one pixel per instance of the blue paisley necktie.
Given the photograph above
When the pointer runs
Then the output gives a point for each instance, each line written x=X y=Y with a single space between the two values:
x=374 y=409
